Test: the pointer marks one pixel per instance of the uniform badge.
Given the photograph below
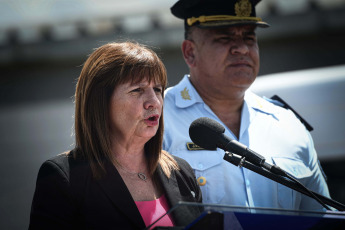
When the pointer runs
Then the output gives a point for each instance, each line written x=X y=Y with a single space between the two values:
x=192 y=147
x=243 y=8
x=185 y=94
x=201 y=181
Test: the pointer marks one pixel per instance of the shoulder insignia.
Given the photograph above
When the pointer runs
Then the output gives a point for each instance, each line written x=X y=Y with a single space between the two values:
x=185 y=94
x=285 y=105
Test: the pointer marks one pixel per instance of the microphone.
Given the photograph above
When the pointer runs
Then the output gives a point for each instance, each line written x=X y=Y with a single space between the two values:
x=209 y=134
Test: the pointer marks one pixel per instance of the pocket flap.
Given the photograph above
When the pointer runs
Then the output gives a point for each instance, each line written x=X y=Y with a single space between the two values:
x=203 y=159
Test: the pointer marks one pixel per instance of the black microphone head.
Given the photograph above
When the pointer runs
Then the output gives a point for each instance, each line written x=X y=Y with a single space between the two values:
x=206 y=132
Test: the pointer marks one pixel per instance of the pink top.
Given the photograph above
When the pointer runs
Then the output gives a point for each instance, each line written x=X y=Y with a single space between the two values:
x=153 y=209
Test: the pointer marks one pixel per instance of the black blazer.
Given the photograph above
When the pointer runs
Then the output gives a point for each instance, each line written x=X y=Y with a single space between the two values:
x=68 y=197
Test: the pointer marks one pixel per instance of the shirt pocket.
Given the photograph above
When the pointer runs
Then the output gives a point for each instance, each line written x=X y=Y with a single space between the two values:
x=288 y=198
x=207 y=166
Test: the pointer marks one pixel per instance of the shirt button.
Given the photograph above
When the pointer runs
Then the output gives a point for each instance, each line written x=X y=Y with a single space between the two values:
x=247 y=183
x=201 y=181
x=201 y=166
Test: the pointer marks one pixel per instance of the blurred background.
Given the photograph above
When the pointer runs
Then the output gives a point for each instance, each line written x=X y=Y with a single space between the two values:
x=43 y=44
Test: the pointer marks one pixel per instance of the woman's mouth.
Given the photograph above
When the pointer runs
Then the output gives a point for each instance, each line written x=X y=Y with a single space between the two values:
x=152 y=120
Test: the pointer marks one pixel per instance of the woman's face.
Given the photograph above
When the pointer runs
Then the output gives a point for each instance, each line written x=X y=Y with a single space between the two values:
x=135 y=110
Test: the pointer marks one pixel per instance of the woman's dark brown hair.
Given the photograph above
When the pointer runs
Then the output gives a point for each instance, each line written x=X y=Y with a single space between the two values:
x=107 y=67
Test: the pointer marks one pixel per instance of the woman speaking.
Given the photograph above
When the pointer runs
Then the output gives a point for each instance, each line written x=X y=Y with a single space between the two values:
x=117 y=176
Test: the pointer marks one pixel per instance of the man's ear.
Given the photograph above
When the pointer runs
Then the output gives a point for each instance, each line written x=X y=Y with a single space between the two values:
x=188 y=49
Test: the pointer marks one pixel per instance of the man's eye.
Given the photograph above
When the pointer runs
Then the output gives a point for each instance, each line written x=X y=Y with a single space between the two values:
x=224 y=39
x=250 y=38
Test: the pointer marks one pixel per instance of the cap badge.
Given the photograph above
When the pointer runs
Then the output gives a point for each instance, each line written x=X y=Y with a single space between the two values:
x=185 y=94
x=243 y=8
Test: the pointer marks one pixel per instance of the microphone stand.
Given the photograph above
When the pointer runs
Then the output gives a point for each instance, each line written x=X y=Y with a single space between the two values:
x=241 y=162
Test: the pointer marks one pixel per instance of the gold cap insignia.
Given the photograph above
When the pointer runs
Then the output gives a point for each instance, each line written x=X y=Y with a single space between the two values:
x=243 y=8
x=185 y=94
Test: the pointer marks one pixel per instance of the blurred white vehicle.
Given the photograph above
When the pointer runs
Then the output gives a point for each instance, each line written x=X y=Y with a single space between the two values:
x=318 y=96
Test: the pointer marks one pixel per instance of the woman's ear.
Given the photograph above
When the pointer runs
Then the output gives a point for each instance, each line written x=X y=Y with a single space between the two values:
x=188 y=49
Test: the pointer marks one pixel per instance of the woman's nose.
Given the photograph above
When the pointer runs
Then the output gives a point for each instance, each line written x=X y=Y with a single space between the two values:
x=153 y=101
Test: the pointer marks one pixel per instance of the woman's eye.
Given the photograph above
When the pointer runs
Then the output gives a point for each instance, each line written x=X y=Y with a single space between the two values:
x=136 y=90
x=158 y=90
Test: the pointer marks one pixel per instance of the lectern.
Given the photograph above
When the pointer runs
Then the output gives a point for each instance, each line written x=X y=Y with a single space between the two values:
x=213 y=217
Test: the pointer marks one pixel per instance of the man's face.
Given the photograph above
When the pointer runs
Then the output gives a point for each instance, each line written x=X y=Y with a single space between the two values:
x=225 y=57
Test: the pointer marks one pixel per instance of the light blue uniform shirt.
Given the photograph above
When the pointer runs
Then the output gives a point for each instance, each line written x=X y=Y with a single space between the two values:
x=270 y=130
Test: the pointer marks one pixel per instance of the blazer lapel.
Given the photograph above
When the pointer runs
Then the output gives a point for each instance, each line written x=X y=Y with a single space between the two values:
x=170 y=186
x=116 y=189
x=176 y=189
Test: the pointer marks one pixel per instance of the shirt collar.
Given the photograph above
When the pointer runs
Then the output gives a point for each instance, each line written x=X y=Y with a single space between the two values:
x=259 y=104
x=186 y=95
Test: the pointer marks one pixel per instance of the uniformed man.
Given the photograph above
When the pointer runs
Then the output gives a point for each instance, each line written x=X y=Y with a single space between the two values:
x=221 y=51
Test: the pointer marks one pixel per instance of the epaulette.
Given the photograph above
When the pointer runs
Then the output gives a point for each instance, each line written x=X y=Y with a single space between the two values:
x=280 y=102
